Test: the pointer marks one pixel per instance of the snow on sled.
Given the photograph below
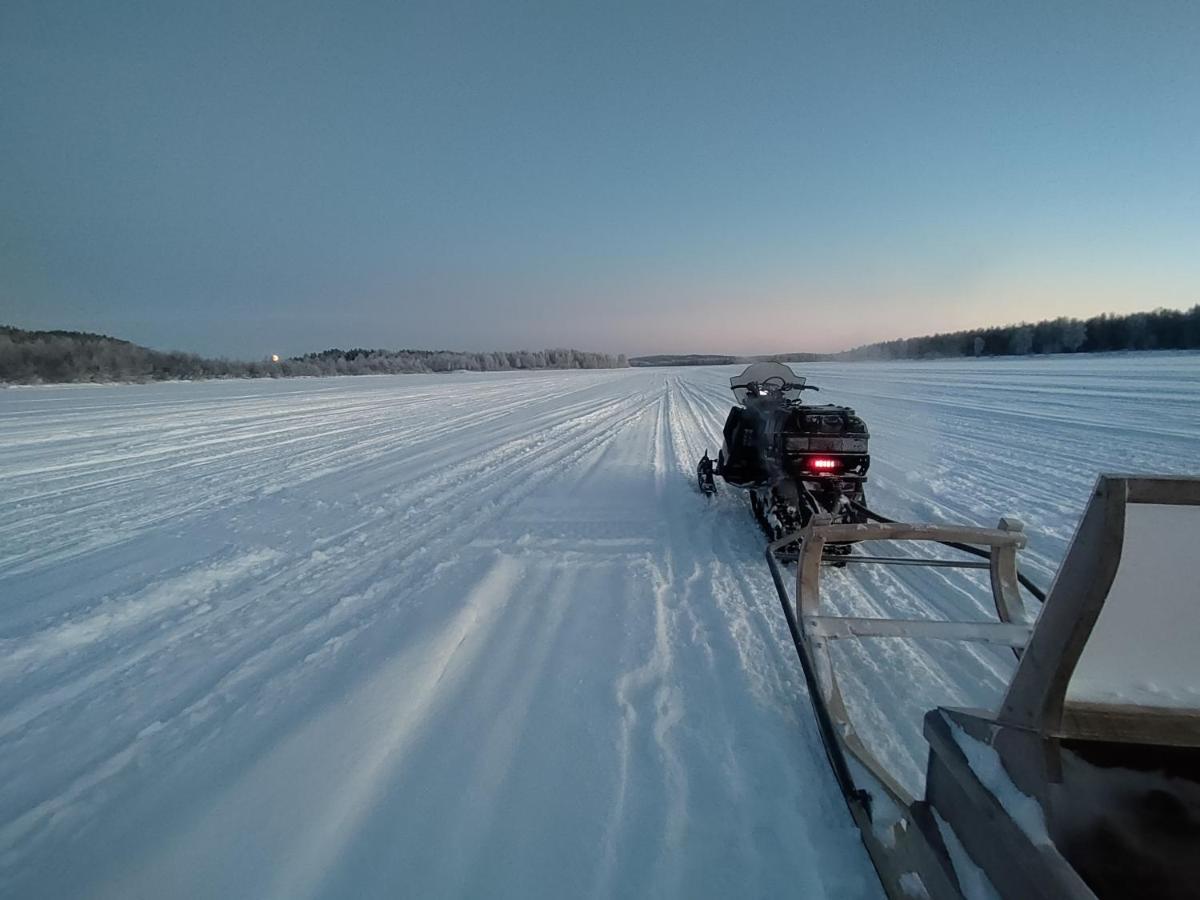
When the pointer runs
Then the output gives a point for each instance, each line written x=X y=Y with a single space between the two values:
x=1084 y=781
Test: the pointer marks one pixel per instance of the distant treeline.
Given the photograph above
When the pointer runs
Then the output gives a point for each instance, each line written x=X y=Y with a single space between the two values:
x=35 y=357
x=684 y=359
x=702 y=359
x=1162 y=329
x=382 y=362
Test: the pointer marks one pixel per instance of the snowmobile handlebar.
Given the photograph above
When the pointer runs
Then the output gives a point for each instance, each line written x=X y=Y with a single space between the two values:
x=785 y=386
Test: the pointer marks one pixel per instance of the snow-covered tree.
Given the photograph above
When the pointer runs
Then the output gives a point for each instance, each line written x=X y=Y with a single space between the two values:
x=1021 y=342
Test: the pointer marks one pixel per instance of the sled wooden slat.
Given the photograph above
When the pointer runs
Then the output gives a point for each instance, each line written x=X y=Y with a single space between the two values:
x=840 y=627
x=904 y=531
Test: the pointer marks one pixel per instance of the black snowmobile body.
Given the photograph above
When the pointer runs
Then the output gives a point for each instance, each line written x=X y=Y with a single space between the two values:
x=764 y=442
x=794 y=459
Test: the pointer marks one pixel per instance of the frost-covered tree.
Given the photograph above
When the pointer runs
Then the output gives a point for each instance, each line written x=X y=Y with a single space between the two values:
x=31 y=357
x=1073 y=335
x=1161 y=329
x=1021 y=342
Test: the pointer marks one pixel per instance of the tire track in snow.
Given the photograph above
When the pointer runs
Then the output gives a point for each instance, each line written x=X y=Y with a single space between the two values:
x=725 y=751
x=741 y=618
x=649 y=685
x=582 y=434
x=384 y=723
x=334 y=434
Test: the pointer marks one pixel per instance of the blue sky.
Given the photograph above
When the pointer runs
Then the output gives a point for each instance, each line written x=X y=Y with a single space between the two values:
x=246 y=178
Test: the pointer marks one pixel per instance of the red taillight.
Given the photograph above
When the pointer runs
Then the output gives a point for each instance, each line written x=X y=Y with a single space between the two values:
x=823 y=463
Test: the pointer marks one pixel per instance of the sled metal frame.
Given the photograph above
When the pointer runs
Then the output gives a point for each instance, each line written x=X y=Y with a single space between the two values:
x=817 y=627
x=912 y=842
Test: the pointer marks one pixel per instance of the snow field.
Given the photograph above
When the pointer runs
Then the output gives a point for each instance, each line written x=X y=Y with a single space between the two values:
x=479 y=635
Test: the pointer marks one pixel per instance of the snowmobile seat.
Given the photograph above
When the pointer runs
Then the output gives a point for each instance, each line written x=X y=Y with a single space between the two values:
x=739 y=461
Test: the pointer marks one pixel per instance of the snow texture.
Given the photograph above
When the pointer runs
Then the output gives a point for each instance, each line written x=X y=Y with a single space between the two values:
x=479 y=635
x=1024 y=810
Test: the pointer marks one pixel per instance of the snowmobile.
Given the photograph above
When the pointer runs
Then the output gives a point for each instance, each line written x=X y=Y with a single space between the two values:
x=795 y=460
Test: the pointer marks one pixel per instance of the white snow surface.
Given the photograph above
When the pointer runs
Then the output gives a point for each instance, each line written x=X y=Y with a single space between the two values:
x=479 y=635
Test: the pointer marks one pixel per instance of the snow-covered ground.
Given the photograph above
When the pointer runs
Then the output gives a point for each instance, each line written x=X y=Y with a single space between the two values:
x=478 y=635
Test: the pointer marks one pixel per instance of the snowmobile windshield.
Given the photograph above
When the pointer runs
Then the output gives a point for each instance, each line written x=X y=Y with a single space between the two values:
x=765 y=379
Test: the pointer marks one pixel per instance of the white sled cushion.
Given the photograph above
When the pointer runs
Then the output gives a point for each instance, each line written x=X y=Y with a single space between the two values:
x=1143 y=650
x=1111 y=657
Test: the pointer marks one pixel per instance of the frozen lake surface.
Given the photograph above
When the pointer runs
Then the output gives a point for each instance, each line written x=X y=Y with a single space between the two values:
x=478 y=635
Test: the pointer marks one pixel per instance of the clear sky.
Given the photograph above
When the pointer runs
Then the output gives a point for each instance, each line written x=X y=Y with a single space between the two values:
x=256 y=176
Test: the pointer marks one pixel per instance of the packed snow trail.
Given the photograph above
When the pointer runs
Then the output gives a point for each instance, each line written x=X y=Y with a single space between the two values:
x=340 y=638
x=479 y=635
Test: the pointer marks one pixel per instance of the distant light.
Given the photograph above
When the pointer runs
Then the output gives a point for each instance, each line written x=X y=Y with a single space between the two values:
x=274 y=357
